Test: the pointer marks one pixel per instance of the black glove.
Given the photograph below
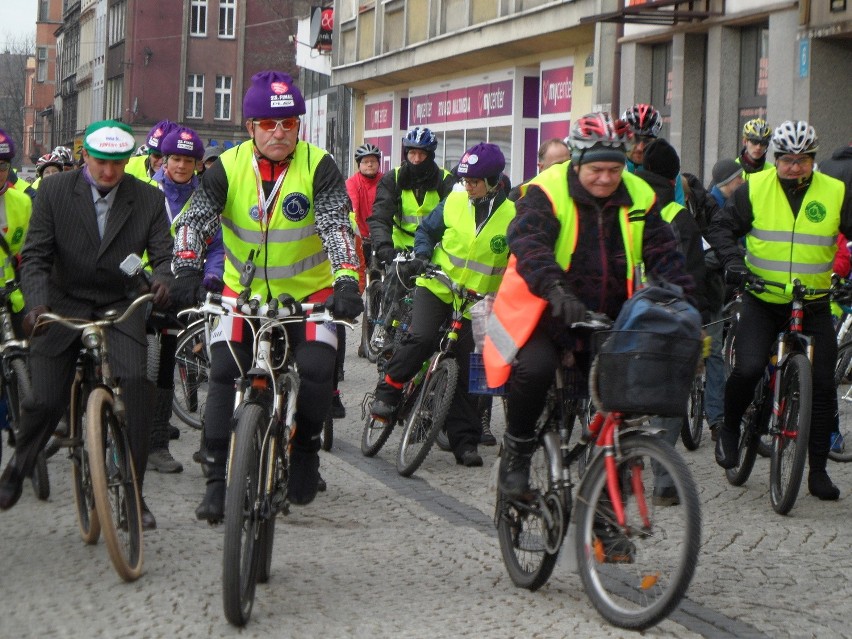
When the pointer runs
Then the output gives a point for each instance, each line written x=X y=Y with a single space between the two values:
x=31 y=319
x=736 y=272
x=385 y=255
x=345 y=302
x=184 y=290
x=160 y=290
x=416 y=266
x=564 y=305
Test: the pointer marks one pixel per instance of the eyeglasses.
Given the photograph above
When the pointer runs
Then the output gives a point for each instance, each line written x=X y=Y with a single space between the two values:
x=759 y=142
x=791 y=161
x=287 y=124
x=4 y=166
x=474 y=182
x=645 y=139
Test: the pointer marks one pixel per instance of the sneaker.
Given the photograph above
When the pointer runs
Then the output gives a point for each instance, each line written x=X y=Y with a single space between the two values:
x=666 y=496
x=382 y=411
x=714 y=431
x=838 y=445
x=612 y=547
x=162 y=461
x=338 y=411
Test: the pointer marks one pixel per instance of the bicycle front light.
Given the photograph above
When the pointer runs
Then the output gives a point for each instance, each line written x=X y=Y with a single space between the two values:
x=91 y=338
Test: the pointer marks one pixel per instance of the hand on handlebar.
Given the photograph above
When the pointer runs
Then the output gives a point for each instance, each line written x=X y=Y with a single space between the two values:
x=31 y=323
x=564 y=305
x=346 y=300
x=160 y=291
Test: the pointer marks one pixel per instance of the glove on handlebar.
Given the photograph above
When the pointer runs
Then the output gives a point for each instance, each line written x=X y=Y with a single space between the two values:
x=564 y=305
x=184 y=291
x=385 y=255
x=736 y=272
x=31 y=319
x=416 y=266
x=345 y=302
x=160 y=291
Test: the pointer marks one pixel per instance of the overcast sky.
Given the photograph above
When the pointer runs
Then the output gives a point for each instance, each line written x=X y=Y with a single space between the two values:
x=18 y=21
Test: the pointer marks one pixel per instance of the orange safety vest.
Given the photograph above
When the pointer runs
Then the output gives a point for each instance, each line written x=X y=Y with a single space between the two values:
x=516 y=311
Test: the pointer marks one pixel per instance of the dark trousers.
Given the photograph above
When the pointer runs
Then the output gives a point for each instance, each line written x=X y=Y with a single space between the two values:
x=757 y=328
x=51 y=381
x=429 y=314
x=532 y=377
x=316 y=364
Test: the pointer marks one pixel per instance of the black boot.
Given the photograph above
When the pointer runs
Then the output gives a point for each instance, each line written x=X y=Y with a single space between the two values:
x=515 y=466
x=159 y=457
x=212 y=507
x=303 y=480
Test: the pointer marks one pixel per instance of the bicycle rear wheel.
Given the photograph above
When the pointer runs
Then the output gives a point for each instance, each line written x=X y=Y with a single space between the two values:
x=524 y=529
x=840 y=450
x=792 y=432
x=114 y=485
x=192 y=374
x=693 y=423
x=636 y=575
x=427 y=419
x=243 y=521
x=372 y=313
x=375 y=432
x=81 y=477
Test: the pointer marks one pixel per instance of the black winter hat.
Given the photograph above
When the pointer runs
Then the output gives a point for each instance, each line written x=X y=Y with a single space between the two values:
x=661 y=158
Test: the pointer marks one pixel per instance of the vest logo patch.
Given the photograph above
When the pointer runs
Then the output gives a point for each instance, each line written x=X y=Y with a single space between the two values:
x=254 y=213
x=19 y=233
x=498 y=244
x=296 y=207
x=815 y=211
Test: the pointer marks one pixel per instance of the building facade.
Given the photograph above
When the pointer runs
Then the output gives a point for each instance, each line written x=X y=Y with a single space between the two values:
x=517 y=72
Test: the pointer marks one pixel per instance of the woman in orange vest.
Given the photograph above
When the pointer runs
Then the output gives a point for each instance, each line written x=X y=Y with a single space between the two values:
x=581 y=230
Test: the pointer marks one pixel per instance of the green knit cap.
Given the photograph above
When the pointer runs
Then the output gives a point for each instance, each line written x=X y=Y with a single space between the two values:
x=109 y=140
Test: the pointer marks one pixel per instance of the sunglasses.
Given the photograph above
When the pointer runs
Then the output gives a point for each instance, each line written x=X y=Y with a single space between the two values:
x=287 y=124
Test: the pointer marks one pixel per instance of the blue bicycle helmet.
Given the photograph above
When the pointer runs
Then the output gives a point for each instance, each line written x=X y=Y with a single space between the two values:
x=420 y=138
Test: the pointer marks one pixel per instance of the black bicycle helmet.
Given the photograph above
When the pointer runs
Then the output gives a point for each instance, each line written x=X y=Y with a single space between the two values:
x=644 y=119
x=367 y=149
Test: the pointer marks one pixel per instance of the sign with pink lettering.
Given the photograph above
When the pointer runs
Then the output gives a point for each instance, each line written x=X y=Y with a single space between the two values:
x=467 y=103
x=557 y=87
x=378 y=115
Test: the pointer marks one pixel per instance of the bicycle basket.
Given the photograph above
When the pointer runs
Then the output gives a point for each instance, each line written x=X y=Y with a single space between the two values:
x=477 y=384
x=645 y=373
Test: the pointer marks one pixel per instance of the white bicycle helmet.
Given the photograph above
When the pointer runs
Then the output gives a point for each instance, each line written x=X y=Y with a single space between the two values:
x=795 y=137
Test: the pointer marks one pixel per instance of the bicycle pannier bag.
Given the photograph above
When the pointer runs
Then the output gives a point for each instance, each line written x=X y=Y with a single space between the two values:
x=646 y=364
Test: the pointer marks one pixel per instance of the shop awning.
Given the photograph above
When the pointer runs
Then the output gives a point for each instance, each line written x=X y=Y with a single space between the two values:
x=657 y=12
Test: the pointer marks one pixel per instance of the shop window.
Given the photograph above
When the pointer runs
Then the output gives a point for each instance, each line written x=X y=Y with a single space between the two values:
x=661 y=83
x=754 y=75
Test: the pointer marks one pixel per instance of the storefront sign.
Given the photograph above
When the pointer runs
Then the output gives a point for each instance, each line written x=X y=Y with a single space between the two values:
x=468 y=103
x=557 y=88
x=378 y=115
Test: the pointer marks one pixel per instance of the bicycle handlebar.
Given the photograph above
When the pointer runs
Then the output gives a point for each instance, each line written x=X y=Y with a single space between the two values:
x=110 y=319
x=275 y=309
x=839 y=286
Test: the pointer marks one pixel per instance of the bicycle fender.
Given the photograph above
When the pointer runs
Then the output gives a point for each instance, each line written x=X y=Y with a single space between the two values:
x=553 y=447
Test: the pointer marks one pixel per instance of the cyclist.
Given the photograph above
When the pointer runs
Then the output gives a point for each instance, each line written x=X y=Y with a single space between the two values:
x=581 y=229
x=16 y=208
x=83 y=226
x=790 y=219
x=752 y=157
x=471 y=230
x=407 y=194
x=211 y=155
x=144 y=165
x=645 y=124
x=181 y=149
x=47 y=165
x=282 y=206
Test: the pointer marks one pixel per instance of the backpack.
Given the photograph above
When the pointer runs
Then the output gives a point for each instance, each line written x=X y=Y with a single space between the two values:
x=646 y=363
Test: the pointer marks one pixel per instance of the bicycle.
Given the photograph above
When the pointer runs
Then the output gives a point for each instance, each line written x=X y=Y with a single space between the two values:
x=15 y=387
x=387 y=311
x=635 y=560
x=781 y=407
x=839 y=451
x=103 y=478
x=192 y=371
x=426 y=399
x=257 y=466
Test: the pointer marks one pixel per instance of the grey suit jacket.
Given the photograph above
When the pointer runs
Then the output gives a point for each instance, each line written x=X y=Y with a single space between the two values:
x=67 y=267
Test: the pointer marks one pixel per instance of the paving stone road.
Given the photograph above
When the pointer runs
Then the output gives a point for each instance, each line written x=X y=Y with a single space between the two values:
x=379 y=556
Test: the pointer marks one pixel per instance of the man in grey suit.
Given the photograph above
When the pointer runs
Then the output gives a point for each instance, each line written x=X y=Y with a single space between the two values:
x=84 y=224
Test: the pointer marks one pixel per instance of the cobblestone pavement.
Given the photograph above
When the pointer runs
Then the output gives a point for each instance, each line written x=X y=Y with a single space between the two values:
x=379 y=555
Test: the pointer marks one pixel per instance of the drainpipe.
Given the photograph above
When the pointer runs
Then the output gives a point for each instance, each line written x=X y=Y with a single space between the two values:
x=616 y=65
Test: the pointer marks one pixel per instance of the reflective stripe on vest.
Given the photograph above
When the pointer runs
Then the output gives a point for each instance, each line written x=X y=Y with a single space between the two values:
x=472 y=257
x=517 y=310
x=412 y=213
x=781 y=247
x=19 y=208
x=291 y=259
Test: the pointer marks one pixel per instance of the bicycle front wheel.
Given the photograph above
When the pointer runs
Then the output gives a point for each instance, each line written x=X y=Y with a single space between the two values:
x=81 y=476
x=192 y=374
x=372 y=313
x=525 y=529
x=114 y=485
x=427 y=419
x=636 y=573
x=243 y=521
x=840 y=451
x=792 y=432
x=693 y=423
x=749 y=443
